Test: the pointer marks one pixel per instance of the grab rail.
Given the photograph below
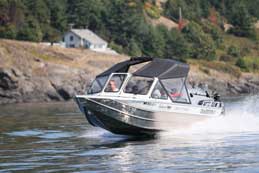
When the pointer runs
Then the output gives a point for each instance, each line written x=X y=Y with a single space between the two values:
x=210 y=103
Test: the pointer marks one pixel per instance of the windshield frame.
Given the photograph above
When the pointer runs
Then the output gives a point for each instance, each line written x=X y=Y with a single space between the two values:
x=97 y=80
x=132 y=93
x=121 y=86
x=184 y=86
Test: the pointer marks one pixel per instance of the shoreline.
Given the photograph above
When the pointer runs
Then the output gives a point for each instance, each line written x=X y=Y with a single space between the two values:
x=30 y=72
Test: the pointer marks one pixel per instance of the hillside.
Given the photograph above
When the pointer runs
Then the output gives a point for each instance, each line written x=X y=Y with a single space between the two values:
x=31 y=72
x=125 y=26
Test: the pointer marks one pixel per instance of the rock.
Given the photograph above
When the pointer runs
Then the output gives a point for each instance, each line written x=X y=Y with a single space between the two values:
x=8 y=80
x=53 y=96
x=64 y=93
x=37 y=59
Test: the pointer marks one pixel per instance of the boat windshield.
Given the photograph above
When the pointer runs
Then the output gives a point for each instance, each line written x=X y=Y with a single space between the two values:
x=138 y=85
x=97 y=85
x=176 y=89
x=115 y=83
x=159 y=92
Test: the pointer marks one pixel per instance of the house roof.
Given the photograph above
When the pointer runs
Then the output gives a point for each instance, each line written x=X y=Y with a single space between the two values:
x=88 y=35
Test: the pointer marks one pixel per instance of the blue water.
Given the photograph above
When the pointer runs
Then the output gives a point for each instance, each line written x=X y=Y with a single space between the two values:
x=57 y=138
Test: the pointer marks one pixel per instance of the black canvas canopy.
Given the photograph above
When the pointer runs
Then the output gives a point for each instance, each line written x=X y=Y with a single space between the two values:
x=161 y=68
x=124 y=66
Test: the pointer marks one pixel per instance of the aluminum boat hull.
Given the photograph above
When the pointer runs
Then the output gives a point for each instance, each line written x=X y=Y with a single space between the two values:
x=120 y=118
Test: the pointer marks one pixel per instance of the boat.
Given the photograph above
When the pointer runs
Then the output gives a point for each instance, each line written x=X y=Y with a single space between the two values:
x=151 y=99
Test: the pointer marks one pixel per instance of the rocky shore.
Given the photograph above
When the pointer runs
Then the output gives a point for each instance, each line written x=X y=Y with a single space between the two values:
x=30 y=72
x=225 y=84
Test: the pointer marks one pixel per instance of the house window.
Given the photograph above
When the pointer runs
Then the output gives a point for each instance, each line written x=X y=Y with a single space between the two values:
x=71 y=38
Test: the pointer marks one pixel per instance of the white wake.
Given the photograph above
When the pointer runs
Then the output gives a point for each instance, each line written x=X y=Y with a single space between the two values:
x=241 y=117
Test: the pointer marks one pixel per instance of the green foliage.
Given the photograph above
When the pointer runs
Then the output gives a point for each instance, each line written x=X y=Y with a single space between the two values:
x=154 y=43
x=248 y=63
x=241 y=64
x=134 y=49
x=242 y=21
x=202 y=46
x=52 y=35
x=86 y=13
x=239 y=13
x=221 y=67
x=191 y=10
x=252 y=63
x=30 y=31
x=177 y=46
x=8 y=31
x=58 y=14
x=234 y=51
x=153 y=12
x=124 y=25
x=226 y=58
x=116 y=47
x=39 y=10
x=214 y=32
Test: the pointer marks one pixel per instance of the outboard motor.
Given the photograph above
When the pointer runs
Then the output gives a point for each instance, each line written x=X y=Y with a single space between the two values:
x=216 y=97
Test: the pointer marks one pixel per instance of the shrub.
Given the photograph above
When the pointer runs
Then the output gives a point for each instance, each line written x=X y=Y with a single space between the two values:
x=242 y=21
x=248 y=64
x=226 y=58
x=152 y=11
x=8 y=31
x=133 y=49
x=176 y=45
x=214 y=31
x=116 y=47
x=241 y=64
x=245 y=51
x=234 y=51
x=203 y=46
x=222 y=67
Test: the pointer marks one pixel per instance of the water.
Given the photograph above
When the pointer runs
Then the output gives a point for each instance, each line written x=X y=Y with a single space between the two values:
x=57 y=138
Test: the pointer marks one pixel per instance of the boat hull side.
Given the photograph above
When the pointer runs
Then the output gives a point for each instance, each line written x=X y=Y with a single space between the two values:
x=117 y=121
x=121 y=118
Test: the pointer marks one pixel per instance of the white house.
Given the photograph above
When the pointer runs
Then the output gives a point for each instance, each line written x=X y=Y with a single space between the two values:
x=84 y=38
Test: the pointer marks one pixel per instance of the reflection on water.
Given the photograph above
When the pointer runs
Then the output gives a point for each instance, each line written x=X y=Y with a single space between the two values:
x=57 y=138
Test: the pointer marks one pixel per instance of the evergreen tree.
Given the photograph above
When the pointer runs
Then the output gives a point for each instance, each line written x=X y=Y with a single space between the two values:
x=8 y=31
x=58 y=19
x=85 y=13
x=39 y=10
x=129 y=24
x=203 y=46
x=30 y=31
x=177 y=46
x=242 y=21
x=134 y=49
x=154 y=43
